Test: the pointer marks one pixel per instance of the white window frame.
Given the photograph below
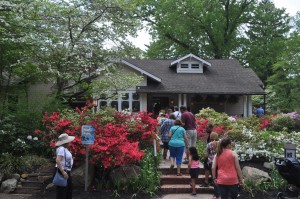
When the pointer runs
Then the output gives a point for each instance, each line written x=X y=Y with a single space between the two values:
x=190 y=69
x=130 y=100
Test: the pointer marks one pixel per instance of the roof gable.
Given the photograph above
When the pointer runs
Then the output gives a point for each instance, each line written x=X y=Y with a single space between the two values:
x=190 y=56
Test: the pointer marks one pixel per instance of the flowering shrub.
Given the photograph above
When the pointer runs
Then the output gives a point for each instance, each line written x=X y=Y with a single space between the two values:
x=119 y=138
x=253 y=137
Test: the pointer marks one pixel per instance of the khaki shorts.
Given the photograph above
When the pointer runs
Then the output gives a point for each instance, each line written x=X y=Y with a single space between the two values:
x=192 y=137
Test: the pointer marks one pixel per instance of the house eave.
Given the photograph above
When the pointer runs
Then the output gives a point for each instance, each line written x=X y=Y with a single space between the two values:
x=141 y=71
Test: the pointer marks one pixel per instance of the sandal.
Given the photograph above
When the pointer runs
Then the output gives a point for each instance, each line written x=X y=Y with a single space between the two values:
x=179 y=174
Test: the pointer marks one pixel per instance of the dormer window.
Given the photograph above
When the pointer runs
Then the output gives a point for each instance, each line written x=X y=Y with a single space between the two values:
x=184 y=66
x=195 y=66
x=189 y=64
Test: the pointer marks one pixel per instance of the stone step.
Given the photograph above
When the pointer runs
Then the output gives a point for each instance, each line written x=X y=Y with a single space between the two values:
x=184 y=188
x=26 y=190
x=168 y=171
x=174 y=179
x=30 y=183
x=40 y=178
x=24 y=195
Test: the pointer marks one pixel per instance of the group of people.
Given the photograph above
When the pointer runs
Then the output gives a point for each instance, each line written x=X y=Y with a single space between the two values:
x=179 y=135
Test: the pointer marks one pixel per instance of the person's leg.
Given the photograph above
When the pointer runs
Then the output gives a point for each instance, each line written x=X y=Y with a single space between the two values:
x=172 y=155
x=188 y=134
x=223 y=191
x=61 y=192
x=69 y=190
x=179 y=154
x=233 y=189
x=193 y=138
x=193 y=185
x=165 y=150
x=206 y=173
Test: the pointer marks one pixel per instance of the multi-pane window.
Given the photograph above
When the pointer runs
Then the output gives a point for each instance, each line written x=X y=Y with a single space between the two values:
x=128 y=100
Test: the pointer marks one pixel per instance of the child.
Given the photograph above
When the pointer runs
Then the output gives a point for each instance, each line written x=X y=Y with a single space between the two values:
x=193 y=167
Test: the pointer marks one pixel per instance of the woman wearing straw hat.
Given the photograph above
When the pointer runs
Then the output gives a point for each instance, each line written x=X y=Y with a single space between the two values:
x=64 y=163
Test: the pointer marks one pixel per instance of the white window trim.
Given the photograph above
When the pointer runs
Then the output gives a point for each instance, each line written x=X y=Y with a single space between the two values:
x=120 y=100
x=190 y=69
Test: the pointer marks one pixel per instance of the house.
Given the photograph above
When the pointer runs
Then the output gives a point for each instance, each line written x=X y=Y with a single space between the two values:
x=222 y=84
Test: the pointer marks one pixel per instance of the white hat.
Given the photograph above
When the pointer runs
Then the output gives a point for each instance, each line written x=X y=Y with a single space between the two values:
x=63 y=139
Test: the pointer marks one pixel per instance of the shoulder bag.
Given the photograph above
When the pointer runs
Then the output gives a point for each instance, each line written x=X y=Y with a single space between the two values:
x=59 y=179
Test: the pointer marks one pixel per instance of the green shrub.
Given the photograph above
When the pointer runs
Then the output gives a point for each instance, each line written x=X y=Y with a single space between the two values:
x=148 y=181
x=201 y=149
x=10 y=164
x=283 y=123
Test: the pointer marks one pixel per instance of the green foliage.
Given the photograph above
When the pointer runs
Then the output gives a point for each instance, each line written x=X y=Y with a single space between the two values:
x=10 y=164
x=148 y=181
x=201 y=149
x=215 y=118
x=283 y=123
x=114 y=81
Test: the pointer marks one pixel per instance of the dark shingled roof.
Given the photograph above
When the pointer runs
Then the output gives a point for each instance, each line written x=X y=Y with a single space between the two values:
x=222 y=77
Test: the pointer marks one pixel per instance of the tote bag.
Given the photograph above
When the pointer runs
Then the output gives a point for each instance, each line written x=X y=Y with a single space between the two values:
x=59 y=179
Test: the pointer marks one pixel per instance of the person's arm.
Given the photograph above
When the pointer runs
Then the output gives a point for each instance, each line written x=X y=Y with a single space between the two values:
x=183 y=119
x=237 y=167
x=186 y=140
x=162 y=127
x=59 y=166
x=189 y=165
x=214 y=168
x=170 y=134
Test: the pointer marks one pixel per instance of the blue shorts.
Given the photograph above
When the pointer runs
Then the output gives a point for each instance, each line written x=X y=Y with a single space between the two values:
x=177 y=153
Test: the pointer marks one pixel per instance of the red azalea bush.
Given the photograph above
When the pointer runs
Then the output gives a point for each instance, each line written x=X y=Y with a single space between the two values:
x=118 y=142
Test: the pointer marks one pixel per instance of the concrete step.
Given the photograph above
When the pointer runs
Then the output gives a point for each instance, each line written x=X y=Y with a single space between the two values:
x=174 y=179
x=184 y=188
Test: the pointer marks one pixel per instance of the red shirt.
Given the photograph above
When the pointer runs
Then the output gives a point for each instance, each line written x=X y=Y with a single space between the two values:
x=227 y=174
x=189 y=120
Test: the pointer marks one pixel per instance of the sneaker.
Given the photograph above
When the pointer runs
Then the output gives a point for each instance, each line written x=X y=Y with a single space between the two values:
x=185 y=162
x=204 y=184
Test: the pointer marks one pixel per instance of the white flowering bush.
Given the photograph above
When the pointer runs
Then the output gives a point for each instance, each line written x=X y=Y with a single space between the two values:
x=255 y=137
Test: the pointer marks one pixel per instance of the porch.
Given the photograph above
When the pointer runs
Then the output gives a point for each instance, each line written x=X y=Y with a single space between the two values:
x=240 y=105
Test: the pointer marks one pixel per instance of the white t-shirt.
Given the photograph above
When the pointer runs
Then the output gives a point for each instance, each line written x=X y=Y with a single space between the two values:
x=177 y=114
x=67 y=162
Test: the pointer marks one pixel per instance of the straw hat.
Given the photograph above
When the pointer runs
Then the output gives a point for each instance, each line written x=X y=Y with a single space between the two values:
x=63 y=139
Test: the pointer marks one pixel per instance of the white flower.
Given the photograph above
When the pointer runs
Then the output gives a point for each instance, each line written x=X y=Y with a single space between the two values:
x=29 y=137
x=35 y=138
x=231 y=119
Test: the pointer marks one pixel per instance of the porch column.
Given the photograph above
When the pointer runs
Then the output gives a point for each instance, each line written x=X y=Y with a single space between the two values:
x=249 y=105
x=179 y=101
x=184 y=100
x=119 y=104
x=245 y=106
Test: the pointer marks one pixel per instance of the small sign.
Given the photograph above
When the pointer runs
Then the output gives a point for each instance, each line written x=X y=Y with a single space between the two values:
x=87 y=134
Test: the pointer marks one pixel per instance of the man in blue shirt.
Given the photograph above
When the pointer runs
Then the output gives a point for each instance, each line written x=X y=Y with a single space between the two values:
x=260 y=112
